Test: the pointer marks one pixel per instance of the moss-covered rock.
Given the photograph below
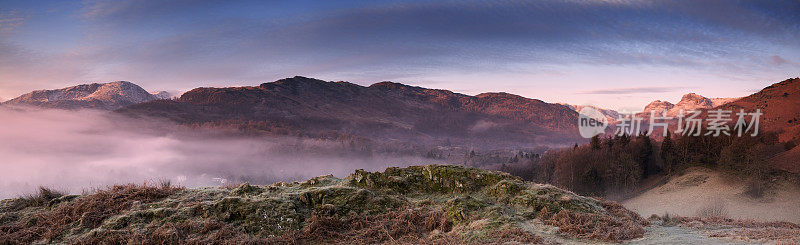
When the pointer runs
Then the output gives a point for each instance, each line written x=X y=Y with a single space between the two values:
x=247 y=189
x=271 y=216
x=442 y=179
x=537 y=197
x=324 y=180
x=346 y=200
x=461 y=208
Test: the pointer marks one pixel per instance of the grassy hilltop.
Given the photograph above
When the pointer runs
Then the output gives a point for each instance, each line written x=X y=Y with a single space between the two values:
x=420 y=204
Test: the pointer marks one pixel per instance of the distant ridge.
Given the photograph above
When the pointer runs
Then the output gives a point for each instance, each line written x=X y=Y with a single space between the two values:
x=388 y=110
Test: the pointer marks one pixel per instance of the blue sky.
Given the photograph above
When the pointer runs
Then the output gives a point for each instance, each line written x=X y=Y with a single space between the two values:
x=615 y=54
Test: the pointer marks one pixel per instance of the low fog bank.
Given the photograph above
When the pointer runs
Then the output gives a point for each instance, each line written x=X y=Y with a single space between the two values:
x=74 y=151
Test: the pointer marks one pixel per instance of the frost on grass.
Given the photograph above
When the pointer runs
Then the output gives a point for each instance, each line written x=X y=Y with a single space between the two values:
x=420 y=204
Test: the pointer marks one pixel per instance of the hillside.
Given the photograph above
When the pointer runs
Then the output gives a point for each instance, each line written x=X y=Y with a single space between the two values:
x=421 y=204
x=788 y=160
x=687 y=194
x=433 y=204
x=383 y=110
x=106 y=96
x=780 y=103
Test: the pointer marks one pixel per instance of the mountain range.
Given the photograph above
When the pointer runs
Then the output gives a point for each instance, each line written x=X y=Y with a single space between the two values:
x=390 y=111
x=689 y=102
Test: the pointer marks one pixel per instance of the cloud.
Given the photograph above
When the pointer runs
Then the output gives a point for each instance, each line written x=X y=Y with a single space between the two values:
x=179 y=44
x=9 y=21
x=73 y=150
x=634 y=90
x=132 y=10
x=777 y=60
x=452 y=35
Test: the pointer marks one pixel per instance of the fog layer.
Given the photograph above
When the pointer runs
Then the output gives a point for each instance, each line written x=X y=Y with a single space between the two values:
x=80 y=150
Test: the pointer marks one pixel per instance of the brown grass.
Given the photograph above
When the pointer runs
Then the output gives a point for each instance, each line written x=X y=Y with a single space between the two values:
x=512 y=235
x=403 y=226
x=621 y=225
x=422 y=225
x=86 y=212
x=706 y=221
x=767 y=233
x=187 y=232
x=748 y=230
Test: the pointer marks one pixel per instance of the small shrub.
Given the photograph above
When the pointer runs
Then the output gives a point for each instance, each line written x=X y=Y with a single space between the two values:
x=165 y=183
x=754 y=189
x=713 y=210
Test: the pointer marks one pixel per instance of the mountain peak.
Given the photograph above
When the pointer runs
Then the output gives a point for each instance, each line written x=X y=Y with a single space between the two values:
x=163 y=95
x=388 y=85
x=692 y=101
x=112 y=95
x=658 y=106
x=689 y=102
x=692 y=97
x=295 y=81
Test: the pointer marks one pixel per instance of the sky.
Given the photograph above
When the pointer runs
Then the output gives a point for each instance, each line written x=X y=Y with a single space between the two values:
x=613 y=54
